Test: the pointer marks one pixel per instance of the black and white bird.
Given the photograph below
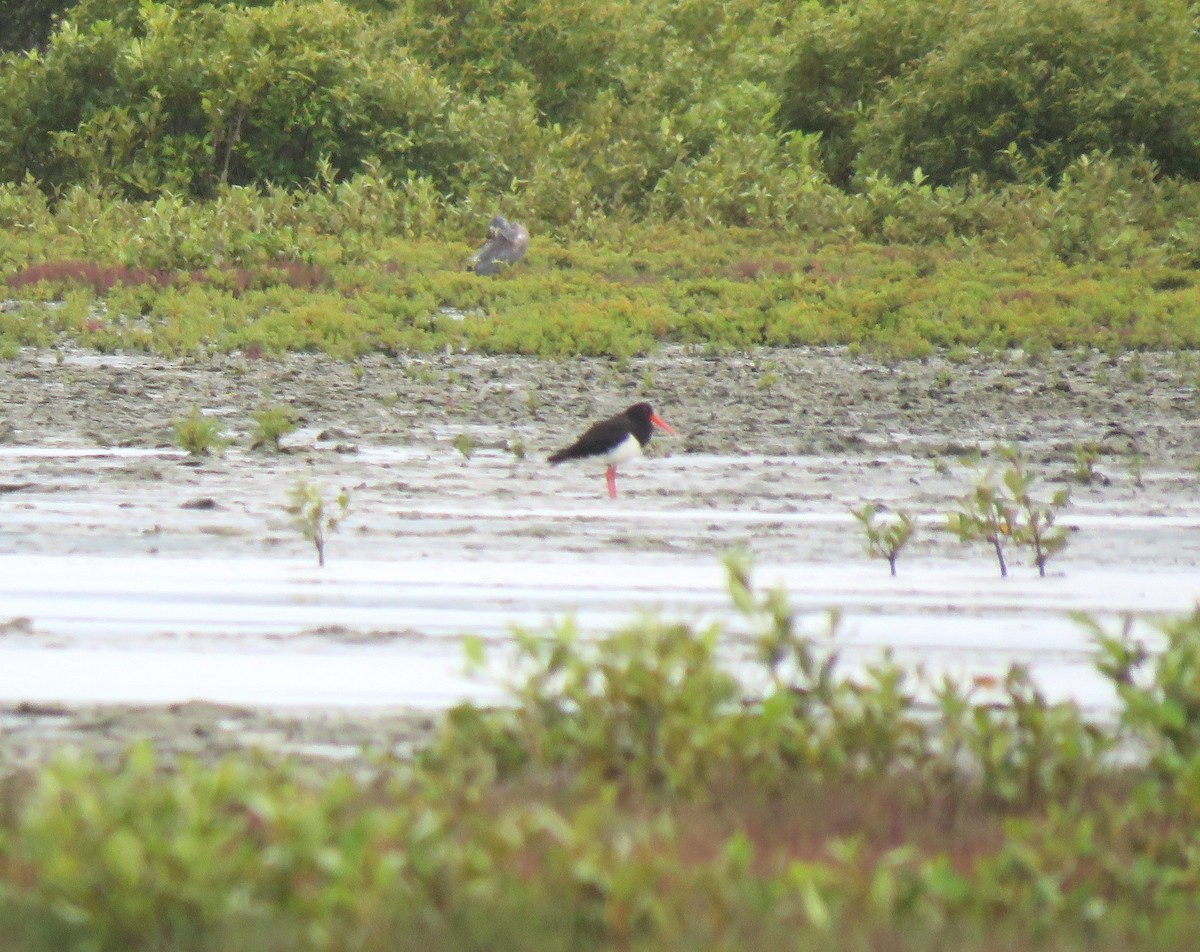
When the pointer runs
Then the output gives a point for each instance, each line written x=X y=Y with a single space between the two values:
x=616 y=440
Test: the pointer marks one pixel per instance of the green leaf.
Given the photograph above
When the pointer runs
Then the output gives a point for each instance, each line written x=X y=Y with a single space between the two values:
x=739 y=852
x=124 y=855
x=815 y=908
x=476 y=652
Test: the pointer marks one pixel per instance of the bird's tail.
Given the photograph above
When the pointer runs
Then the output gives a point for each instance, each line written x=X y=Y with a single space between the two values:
x=575 y=451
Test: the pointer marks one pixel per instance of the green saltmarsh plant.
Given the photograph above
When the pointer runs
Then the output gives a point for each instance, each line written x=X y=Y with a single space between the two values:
x=271 y=424
x=199 y=434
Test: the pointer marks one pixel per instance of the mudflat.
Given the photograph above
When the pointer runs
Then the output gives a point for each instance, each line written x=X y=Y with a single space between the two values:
x=784 y=402
x=444 y=459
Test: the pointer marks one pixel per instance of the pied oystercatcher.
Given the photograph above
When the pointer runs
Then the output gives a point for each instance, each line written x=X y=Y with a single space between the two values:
x=616 y=440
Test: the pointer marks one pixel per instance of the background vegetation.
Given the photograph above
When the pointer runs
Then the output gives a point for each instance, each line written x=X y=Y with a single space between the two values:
x=313 y=173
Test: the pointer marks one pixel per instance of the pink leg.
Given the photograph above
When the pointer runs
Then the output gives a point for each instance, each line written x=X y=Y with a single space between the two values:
x=611 y=475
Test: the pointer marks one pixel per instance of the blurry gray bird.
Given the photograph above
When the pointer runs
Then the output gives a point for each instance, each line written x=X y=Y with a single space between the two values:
x=506 y=245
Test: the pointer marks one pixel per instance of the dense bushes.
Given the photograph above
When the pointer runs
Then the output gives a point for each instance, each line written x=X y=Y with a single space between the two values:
x=844 y=56
x=225 y=95
x=566 y=54
x=1020 y=91
x=1007 y=91
x=187 y=96
x=685 y=108
x=28 y=23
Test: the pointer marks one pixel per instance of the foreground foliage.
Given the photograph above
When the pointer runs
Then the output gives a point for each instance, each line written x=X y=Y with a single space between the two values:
x=631 y=796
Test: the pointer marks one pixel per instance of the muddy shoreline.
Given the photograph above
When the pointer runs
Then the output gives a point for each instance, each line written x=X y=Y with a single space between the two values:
x=33 y=733
x=787 y=402
x=875 y=428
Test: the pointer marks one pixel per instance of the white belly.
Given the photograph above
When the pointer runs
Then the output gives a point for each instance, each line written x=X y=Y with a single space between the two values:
x=629 y=448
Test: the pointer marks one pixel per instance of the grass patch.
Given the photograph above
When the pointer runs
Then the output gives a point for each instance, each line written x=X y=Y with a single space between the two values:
x=625 y=290
x=199 y=435
x=272 y=424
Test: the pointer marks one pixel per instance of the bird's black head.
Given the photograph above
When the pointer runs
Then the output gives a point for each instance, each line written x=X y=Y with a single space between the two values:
x=643 y=420
x=640 y=412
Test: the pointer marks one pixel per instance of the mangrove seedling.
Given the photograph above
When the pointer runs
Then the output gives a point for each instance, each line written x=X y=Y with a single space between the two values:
x=1086 y=457
x=985 y=515
x=1036 y=520
x=271 y=424
x=1136 y=464
x=998 y=512
x=885 y=539
x=465 y=444
x=313 y=517
x=199 y=434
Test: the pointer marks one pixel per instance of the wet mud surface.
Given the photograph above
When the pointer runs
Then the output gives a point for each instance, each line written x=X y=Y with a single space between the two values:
x=33 y=732
x=779 y=402
x=774 y=449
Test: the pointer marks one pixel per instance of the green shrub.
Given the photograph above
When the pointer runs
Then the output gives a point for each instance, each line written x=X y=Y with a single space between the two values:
x=271 y=424
x=30 y=22
x=634 y=708
x=744 y=113
x=152 y=858
x=42 y=96
x=844 y=55
x=208 y=95
x=199 y=434
x=566 y=55
x=1160 y=693
x=1021 y=90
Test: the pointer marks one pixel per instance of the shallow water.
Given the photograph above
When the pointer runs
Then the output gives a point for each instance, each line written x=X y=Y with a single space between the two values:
x=136 y=577
x=122 y=595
